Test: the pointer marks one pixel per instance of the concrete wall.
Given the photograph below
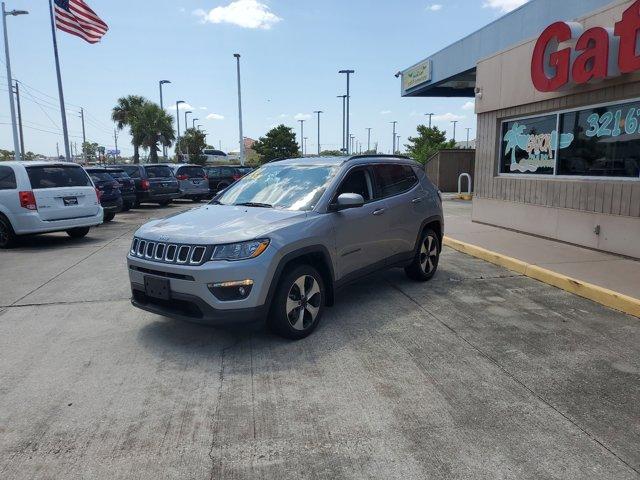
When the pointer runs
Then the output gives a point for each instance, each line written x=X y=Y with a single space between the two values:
x=444 y=168
x=561 y=208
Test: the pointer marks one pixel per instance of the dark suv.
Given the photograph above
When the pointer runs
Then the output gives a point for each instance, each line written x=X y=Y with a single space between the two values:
x=220 y=177
x=154 y=183
x=127 y=187
x=108 y=191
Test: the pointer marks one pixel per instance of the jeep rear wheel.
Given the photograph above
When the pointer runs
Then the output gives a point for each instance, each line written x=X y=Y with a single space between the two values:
x=298 y=304
x=425 y=263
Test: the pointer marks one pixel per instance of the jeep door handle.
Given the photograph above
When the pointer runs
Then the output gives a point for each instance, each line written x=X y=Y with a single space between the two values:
x=379 y=211
x=416 y=200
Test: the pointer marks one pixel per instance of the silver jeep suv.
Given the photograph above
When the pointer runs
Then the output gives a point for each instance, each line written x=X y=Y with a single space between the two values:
x=280 y=241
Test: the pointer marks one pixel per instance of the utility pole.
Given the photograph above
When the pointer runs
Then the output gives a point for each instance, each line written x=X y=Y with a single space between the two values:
x=429 y=115
x=237 y=57
x=160 y=83
x=348 y=73
x=84 y=137
x=344 y=148
x=302 y=136
x=318 y=112
x=393 y=150
x=20 y=120
x=369 y=139
x=468 y=130
x=455 y=122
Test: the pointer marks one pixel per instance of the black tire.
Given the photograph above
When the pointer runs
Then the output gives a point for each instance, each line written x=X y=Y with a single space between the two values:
x=300 y=321
x=425 y=264
x=196 y=199
x=164 y=203
x=222 y=186
x=7 y=235
x=136 y=204
x=79 y=232
x=108 y=217
x=126 y=207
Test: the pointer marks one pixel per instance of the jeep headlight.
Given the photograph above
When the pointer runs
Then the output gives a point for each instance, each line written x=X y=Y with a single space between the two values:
x=240 y=251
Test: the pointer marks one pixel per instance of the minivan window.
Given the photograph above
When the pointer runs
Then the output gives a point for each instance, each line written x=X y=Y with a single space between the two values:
x=7 y=179
x=159 y=171
x=192 y=172
x=394 y=179
x=56 y=176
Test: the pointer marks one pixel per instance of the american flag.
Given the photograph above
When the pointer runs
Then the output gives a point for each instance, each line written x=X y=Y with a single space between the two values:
x=77 y=18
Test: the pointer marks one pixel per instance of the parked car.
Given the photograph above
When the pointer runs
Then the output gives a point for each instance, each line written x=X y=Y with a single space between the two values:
x=40 y=197
x=109 y=192
x=154 y=183
x=280 y=241
x=220 y=177
x=214 y=155
x=127 y=187
x=193 y=181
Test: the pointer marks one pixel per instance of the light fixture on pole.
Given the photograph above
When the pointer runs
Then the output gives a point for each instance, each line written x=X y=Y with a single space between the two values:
x=318 y=112
x=394 y=136
x=193 y=122
x=160 y=84
x=301 y=136
x=14 y=126
x=429 y=115
x=237 y=57
x=343 y=97
x=455 y=122
x=348 y=74
x=186 y=122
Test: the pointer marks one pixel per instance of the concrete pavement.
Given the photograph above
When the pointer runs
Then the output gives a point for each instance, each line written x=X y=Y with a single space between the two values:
x=478 y=374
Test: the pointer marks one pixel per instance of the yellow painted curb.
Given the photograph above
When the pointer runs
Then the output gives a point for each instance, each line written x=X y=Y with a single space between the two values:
x=604 y=296
x=465 y=196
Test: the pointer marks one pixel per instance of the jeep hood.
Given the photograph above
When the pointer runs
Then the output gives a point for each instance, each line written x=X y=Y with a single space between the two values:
x=216 y=224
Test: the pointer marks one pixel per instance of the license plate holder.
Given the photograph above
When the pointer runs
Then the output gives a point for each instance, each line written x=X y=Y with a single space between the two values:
x=157 y=288
x=70 y=201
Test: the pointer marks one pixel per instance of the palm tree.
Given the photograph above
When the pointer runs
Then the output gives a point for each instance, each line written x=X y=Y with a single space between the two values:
x=152 y=125
x=124 y=114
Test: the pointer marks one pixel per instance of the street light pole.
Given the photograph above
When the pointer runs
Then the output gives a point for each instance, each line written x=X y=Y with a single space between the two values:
x=468 y=130
x=343 y=97
x=393 y=151
x=304 y=149
x=318 y=112
x=186 y=127
x=369 y=139
x=301 y=136
x=178 y=125
x=160 y=83
x=193 y=122
x=348 y=73
x=455 y=122
x=429 y=115
x=398 y=143
x=84 y=137
x=16 y=143
x=237 y=57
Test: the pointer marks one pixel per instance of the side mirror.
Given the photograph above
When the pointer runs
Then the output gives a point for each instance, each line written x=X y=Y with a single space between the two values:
x=346 y=201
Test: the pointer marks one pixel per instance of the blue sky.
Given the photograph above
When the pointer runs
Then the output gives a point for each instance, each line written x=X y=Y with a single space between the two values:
x=291 y=52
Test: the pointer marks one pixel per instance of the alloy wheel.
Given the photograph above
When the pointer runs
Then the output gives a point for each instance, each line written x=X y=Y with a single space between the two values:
x=303 y=302
x=429 y=254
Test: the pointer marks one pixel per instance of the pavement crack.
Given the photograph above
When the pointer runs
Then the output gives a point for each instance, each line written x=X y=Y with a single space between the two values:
x=513 y=377
x=74 y=302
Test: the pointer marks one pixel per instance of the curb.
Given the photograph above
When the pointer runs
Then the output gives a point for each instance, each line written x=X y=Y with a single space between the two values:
x=603 y=296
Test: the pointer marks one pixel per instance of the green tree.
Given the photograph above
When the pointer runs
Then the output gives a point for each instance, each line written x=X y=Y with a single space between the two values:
x=124 y=114
x=6 y=155
x=331 y=153
x=89 y=150
x=152 y=126
x=192 y=142
x=427 y=143
x=279 y=142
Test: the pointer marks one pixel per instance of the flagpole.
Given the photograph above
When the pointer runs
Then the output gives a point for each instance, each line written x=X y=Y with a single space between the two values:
x=60 y=92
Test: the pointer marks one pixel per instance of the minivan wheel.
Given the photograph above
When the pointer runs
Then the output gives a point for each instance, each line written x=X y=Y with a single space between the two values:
x=7 y=236
x=108 y=217
x=425 y=263
x=79 y=232
x=298 y=304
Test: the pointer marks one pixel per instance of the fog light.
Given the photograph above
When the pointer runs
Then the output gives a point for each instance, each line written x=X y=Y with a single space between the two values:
x=235 y=290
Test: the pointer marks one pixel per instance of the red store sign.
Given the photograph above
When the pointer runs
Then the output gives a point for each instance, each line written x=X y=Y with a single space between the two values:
x=586 y=56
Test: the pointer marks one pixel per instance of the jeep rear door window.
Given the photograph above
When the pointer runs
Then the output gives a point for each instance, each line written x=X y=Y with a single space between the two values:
x=159 y=172
x=56 y=176
x=7 y=179
x=394 y=179
x=290 y=187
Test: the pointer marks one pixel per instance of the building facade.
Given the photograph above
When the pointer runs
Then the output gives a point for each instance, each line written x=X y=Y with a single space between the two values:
x=558 y=134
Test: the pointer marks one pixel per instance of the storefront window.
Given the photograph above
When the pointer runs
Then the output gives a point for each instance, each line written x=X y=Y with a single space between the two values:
x=606 y=142
x=528 y=145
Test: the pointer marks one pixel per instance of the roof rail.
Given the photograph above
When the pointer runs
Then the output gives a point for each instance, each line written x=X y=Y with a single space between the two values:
x=379 y=155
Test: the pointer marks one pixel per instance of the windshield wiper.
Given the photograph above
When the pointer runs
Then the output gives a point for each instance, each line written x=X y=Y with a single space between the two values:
x=254 y=204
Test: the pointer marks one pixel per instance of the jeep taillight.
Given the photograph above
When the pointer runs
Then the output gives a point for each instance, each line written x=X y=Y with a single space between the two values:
x=28 y=200
x=182 y=177
x=144 y=184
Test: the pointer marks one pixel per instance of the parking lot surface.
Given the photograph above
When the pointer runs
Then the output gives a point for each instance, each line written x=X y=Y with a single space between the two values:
x=479 y=374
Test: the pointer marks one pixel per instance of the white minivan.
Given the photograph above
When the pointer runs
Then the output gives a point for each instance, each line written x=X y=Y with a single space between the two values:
x=40 y=197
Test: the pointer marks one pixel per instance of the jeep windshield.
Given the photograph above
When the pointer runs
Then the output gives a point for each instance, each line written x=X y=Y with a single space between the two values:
x=288 y=187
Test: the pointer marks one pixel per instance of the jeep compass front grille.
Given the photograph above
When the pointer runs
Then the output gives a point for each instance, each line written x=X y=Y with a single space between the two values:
x=170 y=252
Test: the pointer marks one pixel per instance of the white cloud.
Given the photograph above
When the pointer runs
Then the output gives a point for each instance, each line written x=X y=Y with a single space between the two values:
x=243 y=13
x=182 y=106
x=203 y=108
x=448 y=117
x=283 y=115
x=385 y=112
x=302 y=116
x=470 y=105
x=504 y=5
x=215 y=116
x=436 y=7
